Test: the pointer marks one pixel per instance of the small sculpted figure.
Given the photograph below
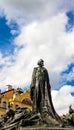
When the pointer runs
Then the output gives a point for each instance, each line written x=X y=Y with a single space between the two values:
x=71 y=110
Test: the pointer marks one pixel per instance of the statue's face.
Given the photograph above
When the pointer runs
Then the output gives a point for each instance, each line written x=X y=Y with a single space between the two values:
x=41 y=63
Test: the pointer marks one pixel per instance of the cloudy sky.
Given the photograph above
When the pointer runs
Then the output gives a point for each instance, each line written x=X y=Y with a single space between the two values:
x=34 y=29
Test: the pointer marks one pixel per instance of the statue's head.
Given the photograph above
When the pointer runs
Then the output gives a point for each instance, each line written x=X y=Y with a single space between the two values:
x=70 y=106
x=40 y=63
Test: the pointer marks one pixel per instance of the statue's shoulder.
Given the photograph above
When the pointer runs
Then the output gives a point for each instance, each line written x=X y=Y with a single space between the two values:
x=35 y=69
x=44 y=69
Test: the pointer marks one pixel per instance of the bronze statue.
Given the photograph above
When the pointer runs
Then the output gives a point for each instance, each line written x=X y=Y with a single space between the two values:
x=43 y=113
x=40 y=91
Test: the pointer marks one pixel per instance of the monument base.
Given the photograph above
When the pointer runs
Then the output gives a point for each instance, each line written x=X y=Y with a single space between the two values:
x=23 y=128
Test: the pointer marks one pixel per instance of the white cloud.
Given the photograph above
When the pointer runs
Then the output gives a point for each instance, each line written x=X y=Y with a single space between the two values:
x=70 y=76
x=14 y=32
x=4 y=60
x=42 y=37
x=47 y=40
x=27 y=10
x=62 y=99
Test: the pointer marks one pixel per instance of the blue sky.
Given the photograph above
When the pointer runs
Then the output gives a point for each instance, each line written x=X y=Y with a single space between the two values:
x=70 y=24
x=6 y=37
x=33 y=30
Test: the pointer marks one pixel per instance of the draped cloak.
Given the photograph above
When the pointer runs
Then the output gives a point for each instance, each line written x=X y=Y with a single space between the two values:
x=40 y=92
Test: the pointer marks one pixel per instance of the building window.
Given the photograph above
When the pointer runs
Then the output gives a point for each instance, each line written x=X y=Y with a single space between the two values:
x=16 y=106
x=4 y=105
x=0 y=100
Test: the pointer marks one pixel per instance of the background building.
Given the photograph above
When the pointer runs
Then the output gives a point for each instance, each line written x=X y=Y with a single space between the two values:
x=14 y=98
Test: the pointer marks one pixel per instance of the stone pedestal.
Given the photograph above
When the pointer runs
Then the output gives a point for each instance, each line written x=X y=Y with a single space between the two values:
x=23 y=128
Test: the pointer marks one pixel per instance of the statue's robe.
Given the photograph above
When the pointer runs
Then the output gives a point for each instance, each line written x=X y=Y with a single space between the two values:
x=40 y=91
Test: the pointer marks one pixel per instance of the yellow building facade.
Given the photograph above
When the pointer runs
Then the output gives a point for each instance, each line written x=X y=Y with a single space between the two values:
x=15 y=98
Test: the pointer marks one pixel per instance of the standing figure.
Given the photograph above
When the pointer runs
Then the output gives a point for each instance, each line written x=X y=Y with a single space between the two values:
x=40 y=91
x=71 y=110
